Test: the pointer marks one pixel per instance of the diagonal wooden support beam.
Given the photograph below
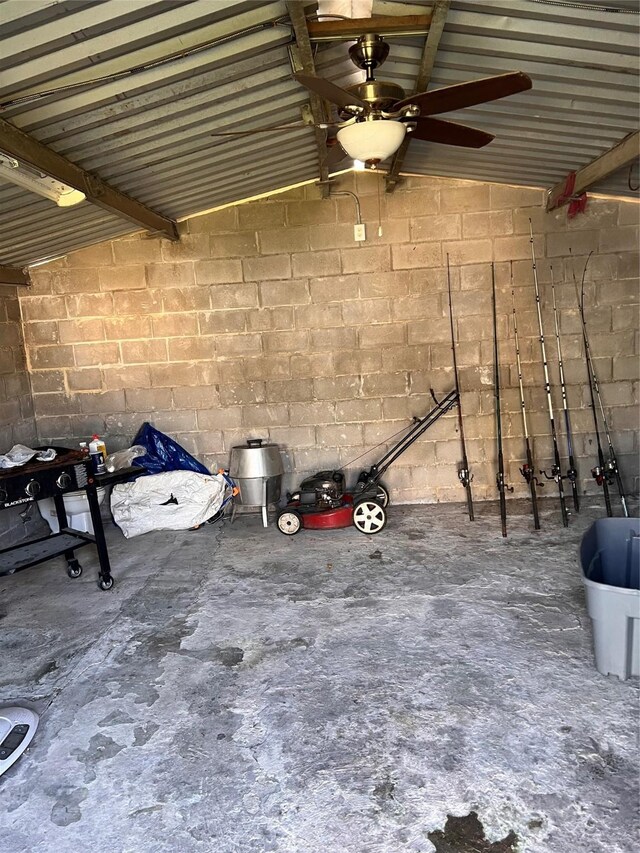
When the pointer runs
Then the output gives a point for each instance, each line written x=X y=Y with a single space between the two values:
x=305 y=53
x=13 y=275
x=438 y=19
x=615 y=158
x=19 y=144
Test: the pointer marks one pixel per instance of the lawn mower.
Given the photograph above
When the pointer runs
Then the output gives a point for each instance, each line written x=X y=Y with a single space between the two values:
x=322 y=503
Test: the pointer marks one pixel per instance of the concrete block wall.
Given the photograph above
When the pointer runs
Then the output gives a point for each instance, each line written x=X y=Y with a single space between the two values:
x=268 y=320
x=17 y=424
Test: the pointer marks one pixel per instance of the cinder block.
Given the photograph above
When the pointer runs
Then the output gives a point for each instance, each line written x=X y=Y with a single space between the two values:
x=358 y=410
x=468 y=251
x=201 y=397
x=232 y=345
x=628 y=265
x=175 y=299
x=318 y=316
x=170 y=275
x=293 y=437
x=134 y=302
x=43 y=308
x=414 y=256
x=312 y=212
x=147 y=399
x=312 y=413
x=616 y=293
x=122 y=277
x=175 y=422
x=51 y=356
x=447 y=226
x=626 y=367
x=121 y=328
x=316 y=263
x=334 y=288
x=390 y=284
x=137 y=250
x=283 y=240
x=74 y=281
x=218 y=419
x=247 y=394
x=171 y=375
x=417 y=307
x=240 y=245
x=214 y=222
x=190 y=247
x=330 y=236
x=354 y=361
x=55 y=404
x=130 y=376
x=266 y=319
x=275 y=342
x=215 y=322
x=255 y=215
x=41 y=282
x=202 y=347
x=267 y=267
x=332 y=339
x=268 y=367
x=85 y=305
x=511 y=248
x=339 y=435
x=426 y=331
x=498 y=223
x=81 y=331
x=104 y=402
x=310 y=365
x=100 y=255
x=135 y=352
x=384 y=335
x=624 y=238
x=336 y=388
x=366 y=311
x=175 y=325
x=288 y=292
x=366 y=259
x=465 y=198
x=225 y=296
x=265 y=415
x=35 y=334
x=405 y=357
x=385 y=384
x=580 y=243
x=219 y=271
x=43 y=381
x=289 y=390
x=503 y=196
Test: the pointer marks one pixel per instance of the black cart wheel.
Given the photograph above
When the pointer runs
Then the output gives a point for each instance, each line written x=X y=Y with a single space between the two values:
x=369 y=517
x=382 y=495
x=289 y=522
x=74 y=569
x=105 y=584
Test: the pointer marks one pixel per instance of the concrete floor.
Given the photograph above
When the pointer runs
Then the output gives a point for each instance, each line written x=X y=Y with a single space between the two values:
x=240 y=691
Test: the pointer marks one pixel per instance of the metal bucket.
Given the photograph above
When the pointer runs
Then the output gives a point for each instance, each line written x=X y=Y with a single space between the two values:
x=257 y=470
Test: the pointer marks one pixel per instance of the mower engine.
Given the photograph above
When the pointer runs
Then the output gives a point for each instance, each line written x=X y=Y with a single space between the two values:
x=324 y=490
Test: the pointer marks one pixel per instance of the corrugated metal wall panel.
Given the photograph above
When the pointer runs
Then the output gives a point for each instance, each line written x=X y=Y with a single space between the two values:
x=149 y=133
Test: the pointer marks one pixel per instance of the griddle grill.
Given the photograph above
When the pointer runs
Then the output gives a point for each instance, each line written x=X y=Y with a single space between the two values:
x=70 y=471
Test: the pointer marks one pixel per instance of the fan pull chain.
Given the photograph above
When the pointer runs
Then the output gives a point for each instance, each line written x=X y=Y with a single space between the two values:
x=379 y=214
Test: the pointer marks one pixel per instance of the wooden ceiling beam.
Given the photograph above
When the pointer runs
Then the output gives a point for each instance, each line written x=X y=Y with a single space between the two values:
x=383 y=25
x=606 y=164
x=438 y=19
x=16 y=143
x=13 y=275
x=300 y=24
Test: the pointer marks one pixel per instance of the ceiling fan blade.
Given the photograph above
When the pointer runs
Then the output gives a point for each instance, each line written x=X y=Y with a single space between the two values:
x=329 y=91
x=468 y=94
x=448 y=133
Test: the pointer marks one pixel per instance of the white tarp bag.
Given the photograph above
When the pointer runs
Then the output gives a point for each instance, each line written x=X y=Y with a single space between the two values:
x=174 y=500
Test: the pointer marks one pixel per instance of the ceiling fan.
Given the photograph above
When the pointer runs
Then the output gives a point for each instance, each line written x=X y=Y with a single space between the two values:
x=376 y=115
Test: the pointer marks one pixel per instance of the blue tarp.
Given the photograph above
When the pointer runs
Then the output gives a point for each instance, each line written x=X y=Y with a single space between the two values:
x=163 y=453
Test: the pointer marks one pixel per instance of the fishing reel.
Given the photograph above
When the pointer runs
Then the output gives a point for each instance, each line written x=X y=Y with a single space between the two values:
x=500 y=483
x=530 y=475
x=611 y=471
x=465 y=476
x=572 y=476
x=556 y=473
x=599 y=474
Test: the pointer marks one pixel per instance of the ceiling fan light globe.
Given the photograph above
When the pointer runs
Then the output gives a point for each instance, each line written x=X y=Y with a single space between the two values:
x=369 y=141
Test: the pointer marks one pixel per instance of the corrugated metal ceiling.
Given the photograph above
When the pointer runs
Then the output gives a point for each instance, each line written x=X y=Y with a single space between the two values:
x=149 y=133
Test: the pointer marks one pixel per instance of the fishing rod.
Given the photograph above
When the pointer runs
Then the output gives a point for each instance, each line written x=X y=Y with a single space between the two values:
x=609 y=471
x=599 y=472
x=502 y=488
x=556 y=472
x=572 y=473
x=528 y=469
x=463 y=472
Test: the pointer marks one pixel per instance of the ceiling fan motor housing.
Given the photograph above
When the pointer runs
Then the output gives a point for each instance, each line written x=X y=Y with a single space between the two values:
x=369 y=52
x=378 y=94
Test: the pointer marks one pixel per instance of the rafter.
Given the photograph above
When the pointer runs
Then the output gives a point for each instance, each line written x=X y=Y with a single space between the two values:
x=13 y=275
x=383 y=25
x=21 y=145
x=606 y=164
x=296 y=12
x=438 y=19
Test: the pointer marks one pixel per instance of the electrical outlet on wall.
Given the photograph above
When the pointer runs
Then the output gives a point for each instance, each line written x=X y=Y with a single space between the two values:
x=359 y=233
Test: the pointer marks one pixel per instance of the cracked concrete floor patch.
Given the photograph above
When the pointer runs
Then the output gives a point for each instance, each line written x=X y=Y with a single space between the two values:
x=240 y=691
